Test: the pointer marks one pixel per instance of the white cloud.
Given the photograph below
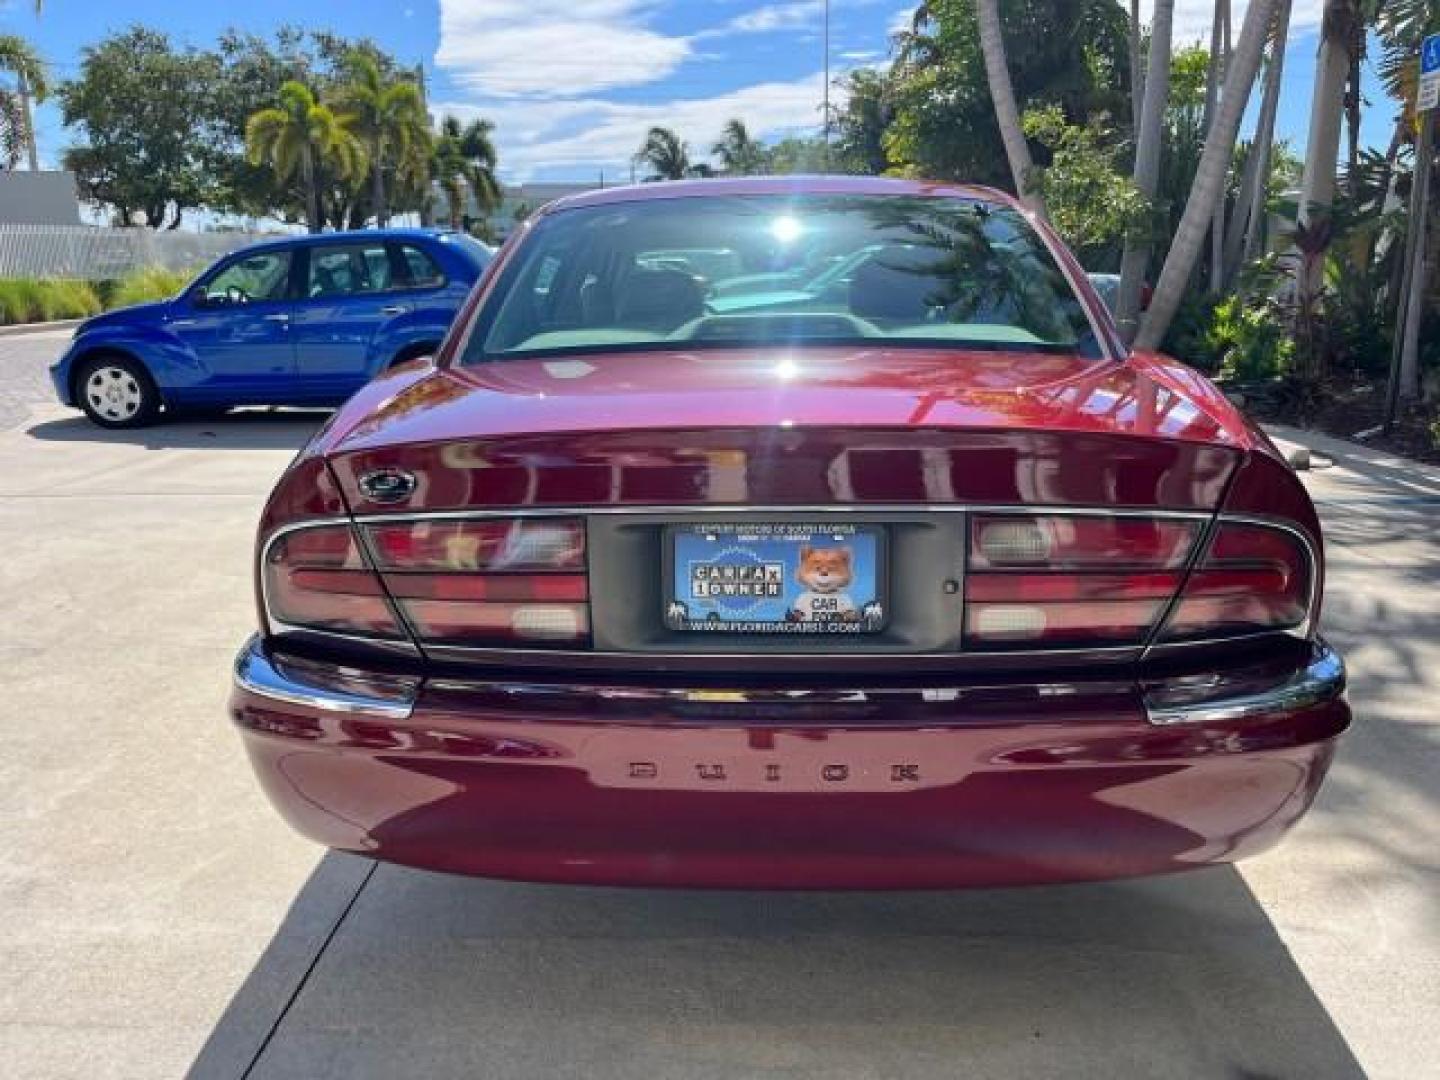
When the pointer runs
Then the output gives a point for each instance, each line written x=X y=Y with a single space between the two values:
x=786 y=16
x=596 y=134
x=553 y=48
x=1193 y=18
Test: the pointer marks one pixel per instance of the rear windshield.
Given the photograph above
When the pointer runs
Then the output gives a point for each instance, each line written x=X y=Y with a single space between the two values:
x=752 y=270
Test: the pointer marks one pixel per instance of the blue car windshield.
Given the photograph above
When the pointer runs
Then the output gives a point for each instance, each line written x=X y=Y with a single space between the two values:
x=657 y=274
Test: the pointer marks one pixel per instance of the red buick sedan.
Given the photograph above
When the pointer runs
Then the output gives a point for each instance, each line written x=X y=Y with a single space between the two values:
x=790 y=533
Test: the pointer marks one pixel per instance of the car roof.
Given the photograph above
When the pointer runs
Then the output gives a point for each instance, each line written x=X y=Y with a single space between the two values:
x=783 y=185
x=371 y=235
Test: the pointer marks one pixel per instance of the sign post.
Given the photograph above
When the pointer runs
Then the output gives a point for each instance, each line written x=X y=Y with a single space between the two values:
x=1427 y=96
x=1404 y=360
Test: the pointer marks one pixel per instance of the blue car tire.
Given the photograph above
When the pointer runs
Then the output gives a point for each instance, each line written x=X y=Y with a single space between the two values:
x=117 y=392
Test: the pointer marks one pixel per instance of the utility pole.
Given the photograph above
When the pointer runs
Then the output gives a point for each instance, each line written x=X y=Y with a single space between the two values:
x=27 y=110
x=826 y=105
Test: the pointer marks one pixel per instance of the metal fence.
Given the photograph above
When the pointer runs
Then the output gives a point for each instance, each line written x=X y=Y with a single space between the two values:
x=79 y=251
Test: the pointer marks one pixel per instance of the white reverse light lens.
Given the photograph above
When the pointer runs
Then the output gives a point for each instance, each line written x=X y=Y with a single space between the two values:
x=1014 y=543
x=1009 y=623
x=550 y=623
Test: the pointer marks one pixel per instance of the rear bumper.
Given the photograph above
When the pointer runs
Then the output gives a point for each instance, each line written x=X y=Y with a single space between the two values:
x=875 y=787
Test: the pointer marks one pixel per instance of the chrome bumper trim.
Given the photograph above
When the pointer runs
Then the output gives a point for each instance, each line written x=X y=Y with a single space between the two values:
x=1215 y=700
x=324 y=686
x=1197 y=700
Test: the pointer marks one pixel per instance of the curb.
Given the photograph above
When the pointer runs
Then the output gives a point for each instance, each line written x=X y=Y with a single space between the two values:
x=38 y=327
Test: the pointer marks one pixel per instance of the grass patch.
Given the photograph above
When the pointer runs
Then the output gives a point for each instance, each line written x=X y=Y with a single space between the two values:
x=145 y=285
x=30 y=300
x=27 y=300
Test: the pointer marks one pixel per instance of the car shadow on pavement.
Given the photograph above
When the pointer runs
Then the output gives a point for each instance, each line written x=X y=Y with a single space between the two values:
x=243 y=429
x=383 y=971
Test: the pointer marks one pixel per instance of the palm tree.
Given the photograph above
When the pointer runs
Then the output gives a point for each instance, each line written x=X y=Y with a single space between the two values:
x=1210 y=177
x=1148 y=142
x=298 y=138
x=481 y=159
x=1007 y=113
x=1243 y=239
x=464 y=162
x=739 y=154
x=21 y=60
x=665 y=153
x=389 y=117
x=1327 y=106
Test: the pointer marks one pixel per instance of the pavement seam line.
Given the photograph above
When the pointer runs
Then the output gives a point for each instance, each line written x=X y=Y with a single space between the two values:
x=309 y=970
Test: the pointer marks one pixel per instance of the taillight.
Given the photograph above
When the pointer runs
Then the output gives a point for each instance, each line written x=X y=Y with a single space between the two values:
x=317 y=579
x=1254 y=578
x=488 y=582
x=1052 y=580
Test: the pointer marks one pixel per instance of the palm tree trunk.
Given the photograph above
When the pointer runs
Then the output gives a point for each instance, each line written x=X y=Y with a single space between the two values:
x=1137 y=73
x=1210 y=176
x=1151 y=127
x=1405 y=380
x=1244 y=236
x=1322 y=148
x=1219 y=61
x=315 y=223
x=1007 y=114
x=377 y=191
x=26 y=110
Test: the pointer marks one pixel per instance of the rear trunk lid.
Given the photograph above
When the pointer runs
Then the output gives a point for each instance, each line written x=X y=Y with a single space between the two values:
x=804 y=427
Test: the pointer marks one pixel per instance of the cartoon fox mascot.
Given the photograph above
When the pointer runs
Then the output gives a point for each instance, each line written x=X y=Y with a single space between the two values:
x=824 y=574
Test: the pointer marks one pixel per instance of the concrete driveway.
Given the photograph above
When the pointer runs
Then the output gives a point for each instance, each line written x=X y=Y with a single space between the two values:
x=159 y=919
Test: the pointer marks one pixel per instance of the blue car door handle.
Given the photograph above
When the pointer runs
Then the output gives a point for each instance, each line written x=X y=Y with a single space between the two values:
x=394 y=309
x=280 y=317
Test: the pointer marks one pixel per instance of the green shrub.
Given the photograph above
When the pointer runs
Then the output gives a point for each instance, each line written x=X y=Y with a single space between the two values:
x=1188 y=338
x=26 y=300
x=149 y=283
x=1252 y=336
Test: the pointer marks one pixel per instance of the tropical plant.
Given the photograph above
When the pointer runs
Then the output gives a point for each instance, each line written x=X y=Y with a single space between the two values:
x=739 y=154
x=1089 y=195
x=17 y=132
x=860 y=124
x=388 y=116
x=941 y=121
x=667 y=155
x=463 y=163
x=297 y=138
x=1211 y=175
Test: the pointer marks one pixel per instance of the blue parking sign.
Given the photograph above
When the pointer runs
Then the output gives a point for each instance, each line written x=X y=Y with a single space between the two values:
x=1427 y=94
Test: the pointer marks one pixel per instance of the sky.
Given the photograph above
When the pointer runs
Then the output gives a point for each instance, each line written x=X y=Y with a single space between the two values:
x=572 y=85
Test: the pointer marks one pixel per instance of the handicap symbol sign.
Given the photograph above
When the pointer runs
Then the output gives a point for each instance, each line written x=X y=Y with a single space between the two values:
x=1430 y=55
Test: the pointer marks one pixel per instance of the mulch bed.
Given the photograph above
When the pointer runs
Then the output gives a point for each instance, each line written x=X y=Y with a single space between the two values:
x=1346 y=408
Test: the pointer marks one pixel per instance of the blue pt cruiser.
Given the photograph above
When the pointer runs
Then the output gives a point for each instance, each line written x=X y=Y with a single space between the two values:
x=301 y=321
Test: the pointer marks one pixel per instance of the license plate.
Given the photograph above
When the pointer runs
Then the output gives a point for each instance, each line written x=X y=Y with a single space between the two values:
x=776 y=578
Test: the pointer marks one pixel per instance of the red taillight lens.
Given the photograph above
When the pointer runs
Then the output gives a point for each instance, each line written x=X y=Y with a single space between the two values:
x=1254 y=578
x=316 y=579
x=488 y=583
x=1044 y=580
